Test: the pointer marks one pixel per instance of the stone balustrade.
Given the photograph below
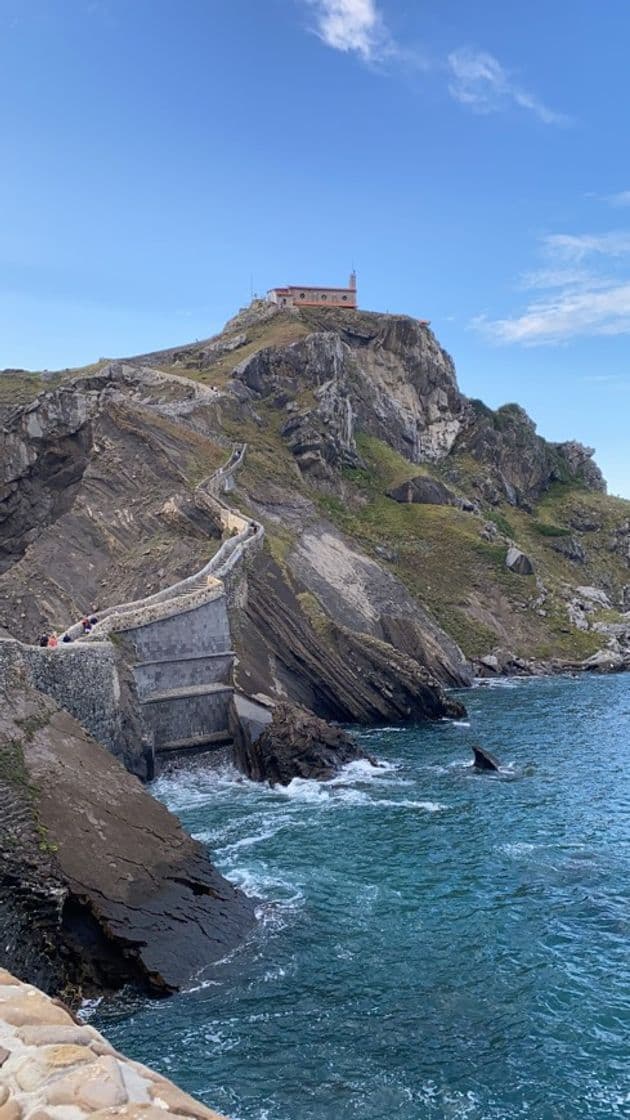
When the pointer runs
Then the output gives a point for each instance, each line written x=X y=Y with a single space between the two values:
x=248 y=534
x=55 y=1068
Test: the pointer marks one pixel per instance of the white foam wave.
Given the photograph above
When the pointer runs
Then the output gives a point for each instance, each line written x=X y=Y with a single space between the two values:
x=363 y=770
x=272 y=828
x=256 y=882
x=426 y=806
x=200 y=987
x=496 y=682
x=304 y=789
x=88 y=1008
x=517 y=848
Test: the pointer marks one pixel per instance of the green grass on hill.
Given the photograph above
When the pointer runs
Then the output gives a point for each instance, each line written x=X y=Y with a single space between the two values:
x=462 y=578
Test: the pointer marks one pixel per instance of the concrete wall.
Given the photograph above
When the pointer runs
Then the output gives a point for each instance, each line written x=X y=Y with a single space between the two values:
x=187 y=717
x=91 y=684
x=187 y=671
x=191 y=632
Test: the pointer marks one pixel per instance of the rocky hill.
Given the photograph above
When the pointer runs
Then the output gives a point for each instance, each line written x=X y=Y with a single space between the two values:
x=392 y=505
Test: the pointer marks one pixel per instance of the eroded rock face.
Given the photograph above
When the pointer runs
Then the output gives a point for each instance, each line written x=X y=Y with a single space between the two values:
x=423 y=491
x=379 y=374
x=296 y=744
x=99 y=884
x=387 y=376
x=570 y=548
x=95 y=501
x=515 y=463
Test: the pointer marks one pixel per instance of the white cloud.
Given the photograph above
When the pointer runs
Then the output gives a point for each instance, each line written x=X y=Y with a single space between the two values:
x=615 y=379
x=575 y=247
x=354 y=26
x=479 y=81
x=569 y=315
x=579 y=301
x=622 y=198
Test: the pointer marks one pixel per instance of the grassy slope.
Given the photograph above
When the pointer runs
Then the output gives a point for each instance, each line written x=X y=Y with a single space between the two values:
x=439 y=553
x=22 y=386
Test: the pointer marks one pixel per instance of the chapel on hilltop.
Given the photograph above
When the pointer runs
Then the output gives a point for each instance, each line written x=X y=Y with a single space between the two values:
x=303 y=295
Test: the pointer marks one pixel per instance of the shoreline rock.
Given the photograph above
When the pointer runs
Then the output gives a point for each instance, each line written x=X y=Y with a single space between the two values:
x=296 y=744
x=99 y=884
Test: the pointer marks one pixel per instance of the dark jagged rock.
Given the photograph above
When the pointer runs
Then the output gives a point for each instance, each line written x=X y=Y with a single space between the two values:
x=515 y=463
x=296 y=744
x=570 y=548
x=423 y=491
x=99 y=884
x=483 y=760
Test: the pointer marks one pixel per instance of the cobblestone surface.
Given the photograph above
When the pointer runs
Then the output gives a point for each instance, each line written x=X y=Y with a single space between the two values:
x=54 y=1068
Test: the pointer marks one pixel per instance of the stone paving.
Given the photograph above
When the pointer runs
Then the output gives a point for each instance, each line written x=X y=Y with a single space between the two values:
x=55 y=1068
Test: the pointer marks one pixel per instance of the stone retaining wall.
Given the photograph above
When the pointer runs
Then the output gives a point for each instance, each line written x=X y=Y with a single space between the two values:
x=83 y=680
x=153 y=676
x=54 y=1068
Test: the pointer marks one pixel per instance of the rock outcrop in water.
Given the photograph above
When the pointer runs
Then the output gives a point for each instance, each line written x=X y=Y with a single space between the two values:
x=99 y=884
x=483 y=760
x=296 y=744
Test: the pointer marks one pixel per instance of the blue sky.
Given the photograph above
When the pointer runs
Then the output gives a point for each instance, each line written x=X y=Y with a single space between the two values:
x=471 y=160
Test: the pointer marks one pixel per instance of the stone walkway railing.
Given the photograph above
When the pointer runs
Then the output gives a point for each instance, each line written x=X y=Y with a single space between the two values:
x=54 y=1068
x=250 y=533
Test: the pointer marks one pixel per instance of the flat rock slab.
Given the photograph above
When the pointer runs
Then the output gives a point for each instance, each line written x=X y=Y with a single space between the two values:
x=112 y=890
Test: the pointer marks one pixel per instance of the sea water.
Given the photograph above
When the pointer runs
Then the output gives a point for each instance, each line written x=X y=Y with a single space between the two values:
x=432 y=942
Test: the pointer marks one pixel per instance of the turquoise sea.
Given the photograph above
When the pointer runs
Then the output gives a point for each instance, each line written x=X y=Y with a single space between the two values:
x=433 y=944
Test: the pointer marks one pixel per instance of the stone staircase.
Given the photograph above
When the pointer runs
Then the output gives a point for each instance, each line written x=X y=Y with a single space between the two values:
x=177 y=643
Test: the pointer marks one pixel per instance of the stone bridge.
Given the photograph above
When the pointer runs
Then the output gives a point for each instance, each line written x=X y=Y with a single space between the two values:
x=180 y=696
